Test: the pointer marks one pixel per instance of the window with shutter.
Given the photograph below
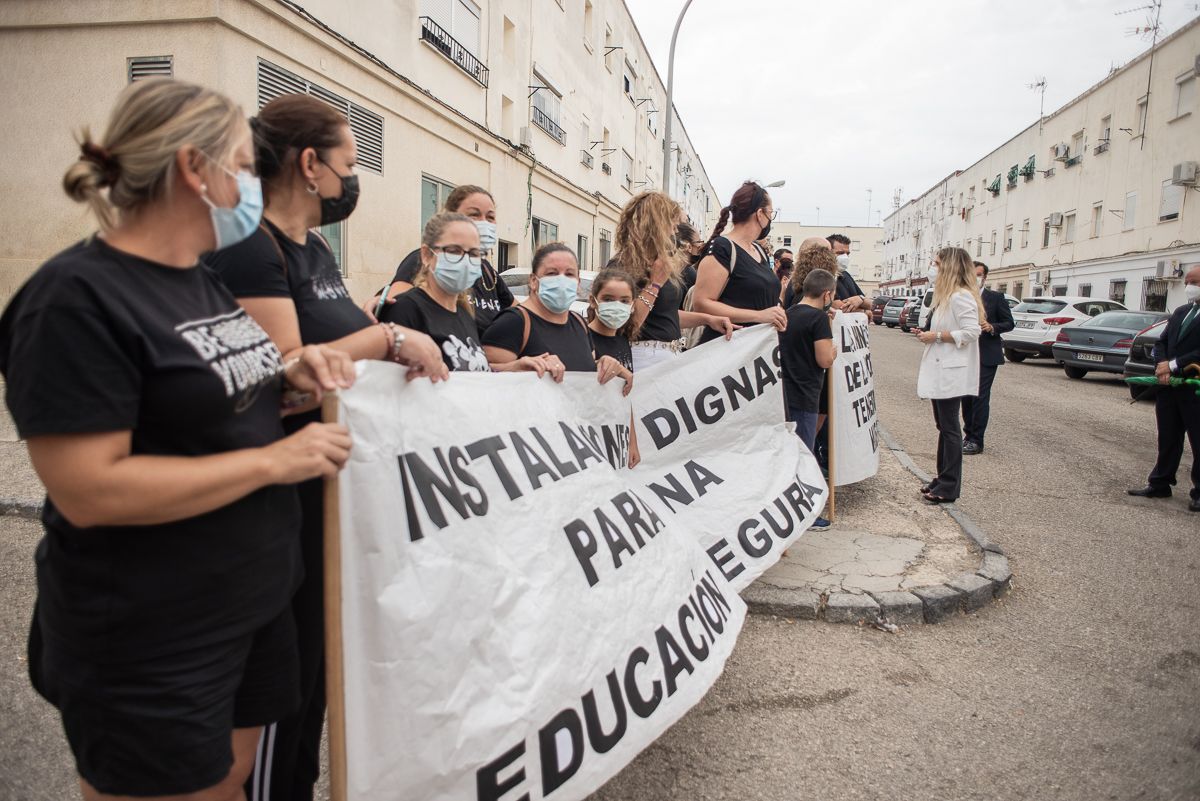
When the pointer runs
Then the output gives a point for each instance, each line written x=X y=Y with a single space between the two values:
x=139 y=67
x=366 y=125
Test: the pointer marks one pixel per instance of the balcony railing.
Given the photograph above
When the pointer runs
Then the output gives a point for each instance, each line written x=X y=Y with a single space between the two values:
x=586 y=159
x=549 y=126
x=441 y=40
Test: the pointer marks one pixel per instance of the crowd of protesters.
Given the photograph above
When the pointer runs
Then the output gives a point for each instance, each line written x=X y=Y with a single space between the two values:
x=167 y=371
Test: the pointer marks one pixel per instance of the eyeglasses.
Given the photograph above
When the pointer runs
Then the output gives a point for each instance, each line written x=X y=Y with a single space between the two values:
x=774 y=213
x=454 y=254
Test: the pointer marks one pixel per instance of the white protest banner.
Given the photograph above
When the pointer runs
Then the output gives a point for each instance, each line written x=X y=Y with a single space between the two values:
x=855 y=441
x=718 y=457
x=518 y=620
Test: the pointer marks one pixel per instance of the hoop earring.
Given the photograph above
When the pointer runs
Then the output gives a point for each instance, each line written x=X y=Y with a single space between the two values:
x=311 y=188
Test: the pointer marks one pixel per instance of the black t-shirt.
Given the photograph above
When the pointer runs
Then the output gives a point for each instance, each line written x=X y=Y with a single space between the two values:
x=802 y=376
x=789 y=296
x=489 y=294
x=102 y=341
x=616 y=346
x=269 y=264
x=568 y=341
x=662 y=322
x=753 y=284
x=454 y=331
x=847 y=287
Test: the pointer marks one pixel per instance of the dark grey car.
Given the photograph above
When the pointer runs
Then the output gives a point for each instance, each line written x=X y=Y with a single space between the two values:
x=1141 y=359
x=1101 y=343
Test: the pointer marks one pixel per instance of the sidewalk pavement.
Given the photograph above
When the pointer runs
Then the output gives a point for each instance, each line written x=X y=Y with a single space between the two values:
x=889 y=559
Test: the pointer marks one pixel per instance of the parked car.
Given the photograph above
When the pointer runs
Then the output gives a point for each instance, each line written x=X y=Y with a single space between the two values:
x=517 y=280
x=1101 y=343
x=1038 y=320
x=894 y=309
x=1141 y=359
x=877 y=309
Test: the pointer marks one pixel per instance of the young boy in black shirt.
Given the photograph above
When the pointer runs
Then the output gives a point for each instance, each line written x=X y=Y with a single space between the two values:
x=807 y=349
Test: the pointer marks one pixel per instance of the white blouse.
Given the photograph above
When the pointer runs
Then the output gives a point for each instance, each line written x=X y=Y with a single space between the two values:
x=950 y=368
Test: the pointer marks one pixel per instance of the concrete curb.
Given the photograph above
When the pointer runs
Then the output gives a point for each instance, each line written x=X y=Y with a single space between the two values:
x=966 y=592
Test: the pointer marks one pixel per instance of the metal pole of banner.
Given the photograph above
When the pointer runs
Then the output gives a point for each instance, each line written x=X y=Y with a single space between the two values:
x=666 y=175
x=830 y=453
x=335 y=678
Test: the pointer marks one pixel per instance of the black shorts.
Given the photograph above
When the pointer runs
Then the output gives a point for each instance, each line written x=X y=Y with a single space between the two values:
x=164 y=726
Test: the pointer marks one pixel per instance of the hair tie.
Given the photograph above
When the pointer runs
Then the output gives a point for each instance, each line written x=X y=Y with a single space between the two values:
x=109 y=169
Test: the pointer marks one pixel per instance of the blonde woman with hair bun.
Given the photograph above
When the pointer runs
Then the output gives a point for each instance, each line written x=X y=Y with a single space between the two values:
x=950 y=364
x=151 y=404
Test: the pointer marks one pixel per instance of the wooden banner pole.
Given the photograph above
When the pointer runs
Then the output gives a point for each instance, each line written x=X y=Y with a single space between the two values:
x=335 y=679
x=831 y=507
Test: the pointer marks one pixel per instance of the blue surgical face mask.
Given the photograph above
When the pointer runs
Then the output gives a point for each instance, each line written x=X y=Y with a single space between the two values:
x=613 y=313
x=487 y=235
x=557 y=292
x=231 y=226
x=456 y=277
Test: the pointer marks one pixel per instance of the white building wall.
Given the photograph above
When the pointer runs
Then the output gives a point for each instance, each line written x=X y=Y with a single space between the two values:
x=1129 y=244
x=439 y=121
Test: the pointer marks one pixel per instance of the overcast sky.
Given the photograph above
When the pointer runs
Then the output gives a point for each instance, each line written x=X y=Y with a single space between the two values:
x=864 y=94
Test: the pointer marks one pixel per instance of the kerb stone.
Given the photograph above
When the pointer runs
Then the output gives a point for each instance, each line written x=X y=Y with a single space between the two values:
x=976 y=590
x=844 y=607
x=996 y=570
x=765 y=599
x=940 y=601
x=901 y=608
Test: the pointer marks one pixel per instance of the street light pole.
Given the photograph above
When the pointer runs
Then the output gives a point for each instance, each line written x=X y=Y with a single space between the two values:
x=670 y=102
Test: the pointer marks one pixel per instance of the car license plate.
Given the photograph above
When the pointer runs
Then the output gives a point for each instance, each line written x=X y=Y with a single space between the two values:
x=1089 y=357
x=1024 y=324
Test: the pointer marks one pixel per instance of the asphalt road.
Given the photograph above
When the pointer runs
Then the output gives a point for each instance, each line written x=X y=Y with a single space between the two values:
x=1084 y=683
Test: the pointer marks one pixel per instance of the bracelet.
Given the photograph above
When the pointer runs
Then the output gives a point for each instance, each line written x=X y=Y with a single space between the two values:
x=656 y=286
x=395 y=341
x=649 y=305
x=939 y=336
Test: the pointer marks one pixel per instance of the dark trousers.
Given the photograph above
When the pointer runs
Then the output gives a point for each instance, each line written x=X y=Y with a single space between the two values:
x=288 y=760
x=1177 y=411
x=948 y=482
x=976 y=410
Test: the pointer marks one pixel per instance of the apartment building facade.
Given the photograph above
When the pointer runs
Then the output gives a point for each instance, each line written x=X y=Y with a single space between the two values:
x=554 y=105
x=1100 y=198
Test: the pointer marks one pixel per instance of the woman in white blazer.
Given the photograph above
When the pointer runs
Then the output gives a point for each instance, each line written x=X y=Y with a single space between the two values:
x=950 y=363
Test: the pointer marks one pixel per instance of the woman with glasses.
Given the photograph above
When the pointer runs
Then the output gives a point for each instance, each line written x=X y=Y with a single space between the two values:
x=490 y=295
x=439 y=304
x=736 y=279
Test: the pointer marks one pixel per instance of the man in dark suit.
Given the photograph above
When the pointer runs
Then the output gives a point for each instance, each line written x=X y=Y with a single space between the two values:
x=975 y=410
x=1177 y=409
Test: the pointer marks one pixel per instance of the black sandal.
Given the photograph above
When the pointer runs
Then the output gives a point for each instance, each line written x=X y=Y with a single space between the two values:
x=935 y=499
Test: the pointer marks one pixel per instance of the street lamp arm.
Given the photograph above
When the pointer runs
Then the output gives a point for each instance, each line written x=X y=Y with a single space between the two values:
x=671 y=101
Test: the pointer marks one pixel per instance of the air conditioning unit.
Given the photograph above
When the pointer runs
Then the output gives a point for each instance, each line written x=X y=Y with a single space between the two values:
x=1056 y=219
x=1062 y=151
x=1184 y=174
x=526 y=137
x=1160 y=268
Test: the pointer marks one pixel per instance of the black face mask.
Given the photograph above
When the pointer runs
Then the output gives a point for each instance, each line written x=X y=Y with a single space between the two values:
x=336 y=209
x=766 y=231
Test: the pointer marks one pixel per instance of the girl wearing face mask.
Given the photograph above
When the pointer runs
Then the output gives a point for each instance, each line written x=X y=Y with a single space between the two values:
x=609 y=310
x=543 y=327
x=286 y=277
x=737 y=278
x=151 y=405
x=440 y=304
x=489 y=294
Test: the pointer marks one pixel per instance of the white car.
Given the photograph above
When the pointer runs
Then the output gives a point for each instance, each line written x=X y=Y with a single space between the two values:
x=1039 y=319
x=517 y=281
